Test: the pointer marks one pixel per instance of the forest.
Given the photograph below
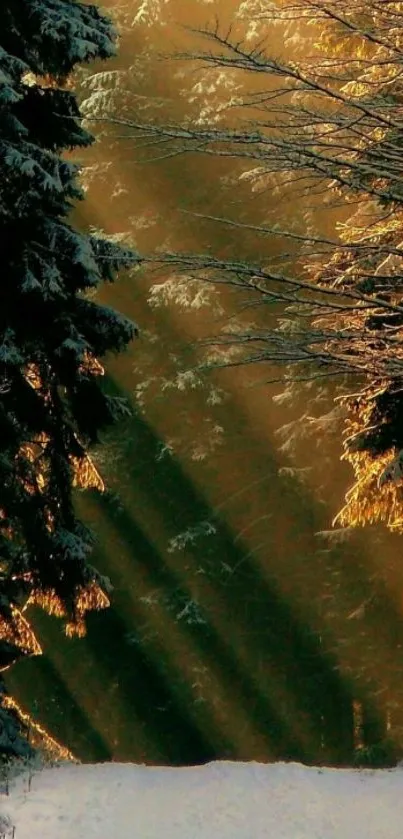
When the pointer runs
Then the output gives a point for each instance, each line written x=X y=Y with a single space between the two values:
x=201 y=379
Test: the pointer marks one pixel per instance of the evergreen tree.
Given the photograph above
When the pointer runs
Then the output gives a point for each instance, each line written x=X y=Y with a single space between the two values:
x=51 y=404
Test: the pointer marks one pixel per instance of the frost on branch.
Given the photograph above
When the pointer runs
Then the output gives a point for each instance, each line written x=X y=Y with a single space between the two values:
x=57 y=34
x=151 y=11
x=186 y=293
x=52 y=402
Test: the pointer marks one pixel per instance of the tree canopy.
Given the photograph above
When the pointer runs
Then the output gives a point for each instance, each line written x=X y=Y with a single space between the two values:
x=326 y=127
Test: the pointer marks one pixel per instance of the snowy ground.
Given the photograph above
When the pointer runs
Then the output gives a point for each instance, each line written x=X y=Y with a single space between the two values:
x=216 y=801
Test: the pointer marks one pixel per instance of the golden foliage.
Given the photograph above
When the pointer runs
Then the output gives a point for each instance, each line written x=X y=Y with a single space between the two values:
x=90 y=597
x=48 y=601
x=38 y=736
x=90 y=364
x=371 y=500
x=354 y=137
x=38 y=480
x=367 y=502
x=76 y=629
x=86 y=475
x=18 y=631
x=374 y=70
x=33 y=377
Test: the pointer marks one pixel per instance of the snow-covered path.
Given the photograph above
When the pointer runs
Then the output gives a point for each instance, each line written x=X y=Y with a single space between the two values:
x=217 y=801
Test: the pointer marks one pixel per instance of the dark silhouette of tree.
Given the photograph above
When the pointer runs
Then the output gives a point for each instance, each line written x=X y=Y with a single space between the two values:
x=52 y=406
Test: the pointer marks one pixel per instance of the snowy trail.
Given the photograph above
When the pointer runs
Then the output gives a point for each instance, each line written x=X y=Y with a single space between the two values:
x=217 y=801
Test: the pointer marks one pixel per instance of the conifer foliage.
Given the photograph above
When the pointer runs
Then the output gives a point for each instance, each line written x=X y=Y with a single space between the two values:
x=52 y=406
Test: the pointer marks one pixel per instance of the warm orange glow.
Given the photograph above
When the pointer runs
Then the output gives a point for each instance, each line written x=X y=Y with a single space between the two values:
x=307 y=579
x=91 y=365
x=48 y=601
x=86 y=475
x=38 y=736
x=19 y=632
x=89 y=598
